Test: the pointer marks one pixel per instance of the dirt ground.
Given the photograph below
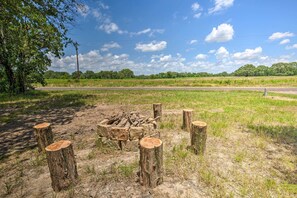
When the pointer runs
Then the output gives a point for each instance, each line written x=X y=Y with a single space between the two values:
x=232 y=165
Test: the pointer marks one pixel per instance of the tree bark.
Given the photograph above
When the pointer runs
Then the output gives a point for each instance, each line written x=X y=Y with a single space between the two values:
x=62 y=165
x=157 y=108
x=187 y=119
x=44 y=135
x=151 y=162
x=198 y=137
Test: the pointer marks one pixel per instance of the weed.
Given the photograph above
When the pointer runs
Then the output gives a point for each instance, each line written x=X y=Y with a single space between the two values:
x=90 y=170
x=239 y=157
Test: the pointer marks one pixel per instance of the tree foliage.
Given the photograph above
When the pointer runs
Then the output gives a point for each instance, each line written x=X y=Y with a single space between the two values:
x=278 y=69
x=30 y=30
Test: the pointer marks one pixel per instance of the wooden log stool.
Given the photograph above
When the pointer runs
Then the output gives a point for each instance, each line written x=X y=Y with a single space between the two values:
x=44 y=135
x=187 y=119
x=198 y=137
x=62 y=164
x=151 y=162
x=157 y=109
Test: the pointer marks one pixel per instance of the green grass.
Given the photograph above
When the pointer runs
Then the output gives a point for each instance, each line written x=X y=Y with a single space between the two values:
x=224 y=112
x=271 y=81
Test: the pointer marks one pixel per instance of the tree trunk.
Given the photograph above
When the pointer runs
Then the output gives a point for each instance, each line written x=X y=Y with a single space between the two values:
x=151 y=162
x=44 y=135
x=198 y=137
x=10 y=76
x=62 y=164
x=187 y=119
x=157 y=108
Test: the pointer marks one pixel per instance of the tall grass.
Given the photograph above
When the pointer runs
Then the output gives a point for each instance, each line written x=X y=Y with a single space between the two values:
x=288 y=81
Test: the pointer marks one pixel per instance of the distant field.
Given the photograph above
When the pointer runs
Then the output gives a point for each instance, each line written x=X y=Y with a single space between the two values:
x=287 y=81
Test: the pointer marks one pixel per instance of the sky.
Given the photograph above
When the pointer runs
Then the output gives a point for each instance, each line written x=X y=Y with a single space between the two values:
x=153 y=36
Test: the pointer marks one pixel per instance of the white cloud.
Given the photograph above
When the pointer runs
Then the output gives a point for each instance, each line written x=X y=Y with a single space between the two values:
x=220 y=5
x=151 y=47
x=149 y=31
x=112 y=45
x=292 y=46
x=222 y=53
x=201 y=57
x=211 y=51
x=248 y=54
x=103 y=6
x=83 y=9
x=280 y=35
x=109 y=27
x=195 y=6
x=285 y=41
x=165 y=58
x=193 y=41
x=222 y=33
x=197 y=16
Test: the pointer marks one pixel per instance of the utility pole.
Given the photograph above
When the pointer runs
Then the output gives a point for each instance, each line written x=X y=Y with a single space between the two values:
x=77 y=63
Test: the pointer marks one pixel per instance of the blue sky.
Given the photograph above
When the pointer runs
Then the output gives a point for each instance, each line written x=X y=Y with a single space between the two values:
x=153 y=36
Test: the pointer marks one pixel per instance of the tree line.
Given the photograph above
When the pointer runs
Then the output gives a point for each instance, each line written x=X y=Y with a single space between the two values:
x=278 y=69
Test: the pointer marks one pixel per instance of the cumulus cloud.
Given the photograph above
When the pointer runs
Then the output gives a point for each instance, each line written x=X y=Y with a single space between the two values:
x=201 y=57
x=112 y=45
x=197 y=16
x=109 y=27
x=165 y=58
x=220 y=5
x=280 y=35
x=195 y=6
x=285 y=41
x=193 y=41
x=292 y=46
x=248 y=54
x=151 y=47
x=221 y=53
x=222 y=33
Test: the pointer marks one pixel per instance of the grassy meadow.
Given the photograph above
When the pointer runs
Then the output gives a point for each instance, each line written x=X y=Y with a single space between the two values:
x=269 y=81
x=251 y=146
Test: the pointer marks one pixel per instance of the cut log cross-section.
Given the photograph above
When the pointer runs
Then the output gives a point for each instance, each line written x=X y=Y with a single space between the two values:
x=151 y=162
x=44 y=135
x=62 y=164
x=187 y=119
x=157 y=108
x=198 y=137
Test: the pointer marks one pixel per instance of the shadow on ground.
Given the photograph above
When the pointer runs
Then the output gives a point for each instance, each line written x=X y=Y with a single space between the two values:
x=17 y=117
x=286 y=135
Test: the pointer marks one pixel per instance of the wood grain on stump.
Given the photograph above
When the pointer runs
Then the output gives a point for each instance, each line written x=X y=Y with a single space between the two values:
x=151 y=162
x=44 y=135
x=62 y=164
x=157 y=108
x=187 y=119
x=198 y=137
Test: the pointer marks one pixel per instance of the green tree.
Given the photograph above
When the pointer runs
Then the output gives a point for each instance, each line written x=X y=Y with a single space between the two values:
x=126 y=73
x=30 y=32
x=246 y=70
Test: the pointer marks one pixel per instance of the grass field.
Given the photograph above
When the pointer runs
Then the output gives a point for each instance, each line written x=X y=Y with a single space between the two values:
x=287 y=81
x=251 y=147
